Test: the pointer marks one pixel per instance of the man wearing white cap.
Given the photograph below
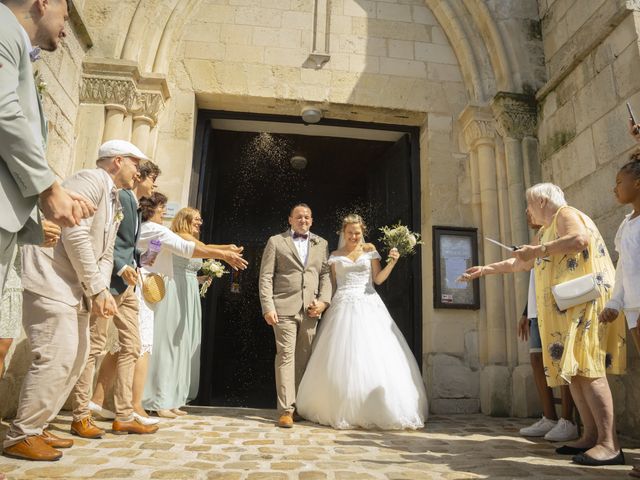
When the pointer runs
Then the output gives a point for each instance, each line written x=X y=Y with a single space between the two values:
x=123 y=281
x=62 y=285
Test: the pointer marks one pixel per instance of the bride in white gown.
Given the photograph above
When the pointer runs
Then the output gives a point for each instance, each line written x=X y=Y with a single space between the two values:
x=361 y=372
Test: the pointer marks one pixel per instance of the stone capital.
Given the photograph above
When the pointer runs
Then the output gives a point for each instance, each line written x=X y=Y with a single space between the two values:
x=118 y=82
x=477 y=125
x=515 y=114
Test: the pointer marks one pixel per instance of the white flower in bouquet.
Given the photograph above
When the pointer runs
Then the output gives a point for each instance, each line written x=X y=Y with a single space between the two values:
x=401 y=238
x=212 y=269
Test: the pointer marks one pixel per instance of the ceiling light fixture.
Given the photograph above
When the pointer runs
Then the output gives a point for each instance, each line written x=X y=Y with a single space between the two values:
x=311 y=114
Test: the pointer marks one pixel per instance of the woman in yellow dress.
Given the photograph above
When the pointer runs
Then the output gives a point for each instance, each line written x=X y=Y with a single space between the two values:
x=578 y=349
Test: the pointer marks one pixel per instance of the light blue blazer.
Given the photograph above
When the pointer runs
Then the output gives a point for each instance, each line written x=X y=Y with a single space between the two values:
x=24 y=172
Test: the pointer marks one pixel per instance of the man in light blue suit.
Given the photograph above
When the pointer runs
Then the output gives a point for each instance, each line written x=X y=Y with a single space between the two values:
x=25 y=177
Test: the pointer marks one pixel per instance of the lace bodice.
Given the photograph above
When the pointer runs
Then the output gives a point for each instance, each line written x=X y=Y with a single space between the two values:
x=354 y=276
x=190 y=265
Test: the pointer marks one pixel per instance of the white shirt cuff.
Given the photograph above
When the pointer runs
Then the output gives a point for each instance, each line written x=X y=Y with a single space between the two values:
x=121 y=271
x=614 y=304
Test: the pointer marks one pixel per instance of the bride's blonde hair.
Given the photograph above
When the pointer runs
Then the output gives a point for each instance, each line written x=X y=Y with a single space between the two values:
x=354 y=219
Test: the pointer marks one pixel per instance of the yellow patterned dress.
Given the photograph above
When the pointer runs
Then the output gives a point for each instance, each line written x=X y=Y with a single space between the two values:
x=574 y=342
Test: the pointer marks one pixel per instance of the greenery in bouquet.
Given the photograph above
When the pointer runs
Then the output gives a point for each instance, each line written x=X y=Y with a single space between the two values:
x=211 y=269
x=401 y=238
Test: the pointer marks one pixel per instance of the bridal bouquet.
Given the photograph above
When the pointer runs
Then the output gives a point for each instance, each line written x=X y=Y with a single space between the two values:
x=400 y=237
x=212 y=269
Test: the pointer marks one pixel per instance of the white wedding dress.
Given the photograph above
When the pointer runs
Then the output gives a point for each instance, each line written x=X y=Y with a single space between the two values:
x=361 y=372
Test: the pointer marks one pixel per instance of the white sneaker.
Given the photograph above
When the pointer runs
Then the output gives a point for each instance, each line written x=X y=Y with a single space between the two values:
x=562 y=432
x=146 y=420
x=538 y=429
x=100 y=412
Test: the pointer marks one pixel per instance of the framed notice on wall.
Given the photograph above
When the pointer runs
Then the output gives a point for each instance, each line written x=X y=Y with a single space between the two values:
x=454 y=250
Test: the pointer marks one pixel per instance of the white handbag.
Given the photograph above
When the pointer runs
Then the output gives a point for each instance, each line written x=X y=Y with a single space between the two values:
x=576 y=292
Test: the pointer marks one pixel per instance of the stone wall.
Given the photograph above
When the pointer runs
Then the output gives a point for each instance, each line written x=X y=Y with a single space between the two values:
x=593 y=65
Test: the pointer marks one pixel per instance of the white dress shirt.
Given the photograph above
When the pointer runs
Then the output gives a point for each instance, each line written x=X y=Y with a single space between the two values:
x=626 y=291
x=137 y=226
x=302 y=245
x=532 y=304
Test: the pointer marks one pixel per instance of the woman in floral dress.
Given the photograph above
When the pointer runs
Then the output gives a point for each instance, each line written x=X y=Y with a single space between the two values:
x=578 y=348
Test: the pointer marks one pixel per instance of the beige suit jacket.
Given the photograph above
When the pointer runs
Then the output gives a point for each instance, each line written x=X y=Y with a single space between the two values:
x=288 y=286
x=82 y=261
x=24 y=172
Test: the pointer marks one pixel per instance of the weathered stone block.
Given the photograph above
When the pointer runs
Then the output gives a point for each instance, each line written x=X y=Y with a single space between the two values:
x=262 y=17
x=471 y=349
x=443 y=73
x=610 y=135
x=361 y=8
x=431 y=52
x=526 y=402
x=448 y=406
x=422 y=14
x=449 y=381
x=595 y=99
x=364 y=63
x=231 y=34
x=495 y=390
x=401 y=49
x=390 y=11
x=299 y=20
x=405 y=68
x=626 y=70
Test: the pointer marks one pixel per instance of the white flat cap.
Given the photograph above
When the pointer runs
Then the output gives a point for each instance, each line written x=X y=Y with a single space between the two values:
x=120 y=148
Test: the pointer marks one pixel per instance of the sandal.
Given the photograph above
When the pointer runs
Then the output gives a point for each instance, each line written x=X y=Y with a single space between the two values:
x=166 y=414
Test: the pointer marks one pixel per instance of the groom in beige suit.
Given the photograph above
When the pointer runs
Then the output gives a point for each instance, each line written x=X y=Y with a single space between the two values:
x=62 y=285
x=295 y=288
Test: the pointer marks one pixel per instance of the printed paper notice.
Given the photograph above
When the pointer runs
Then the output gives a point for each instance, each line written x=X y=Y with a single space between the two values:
x=454 y=267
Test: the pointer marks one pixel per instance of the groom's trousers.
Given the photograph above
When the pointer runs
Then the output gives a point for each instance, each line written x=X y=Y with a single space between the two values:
x=294 y=335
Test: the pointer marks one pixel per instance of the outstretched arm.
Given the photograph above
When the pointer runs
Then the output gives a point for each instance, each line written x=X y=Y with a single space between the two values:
x=380 y=274
x=230 y=254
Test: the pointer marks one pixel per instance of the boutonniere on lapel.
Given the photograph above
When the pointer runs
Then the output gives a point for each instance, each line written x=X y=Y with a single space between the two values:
x=41 y=85
x=314 y=239
x=119 y=216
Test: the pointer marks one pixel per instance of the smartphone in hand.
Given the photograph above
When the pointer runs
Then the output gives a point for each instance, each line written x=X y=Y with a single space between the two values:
x=632 y=119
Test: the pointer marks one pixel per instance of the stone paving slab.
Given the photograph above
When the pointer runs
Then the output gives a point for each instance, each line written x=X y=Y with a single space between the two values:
x=244 y=444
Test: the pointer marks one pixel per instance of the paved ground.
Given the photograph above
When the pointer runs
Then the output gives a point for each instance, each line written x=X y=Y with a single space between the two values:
x=243 y=444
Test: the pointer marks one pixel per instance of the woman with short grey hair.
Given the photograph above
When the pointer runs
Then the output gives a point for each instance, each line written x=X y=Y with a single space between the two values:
x=578 y=348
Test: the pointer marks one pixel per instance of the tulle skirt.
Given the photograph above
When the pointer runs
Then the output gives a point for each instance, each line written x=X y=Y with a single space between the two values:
x=361 y=372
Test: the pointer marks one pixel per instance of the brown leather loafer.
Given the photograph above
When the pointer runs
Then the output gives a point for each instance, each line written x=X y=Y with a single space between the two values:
x=33 y=448
x=85 y=428
x=121 y=427
x=286 y=420
x=55 y=441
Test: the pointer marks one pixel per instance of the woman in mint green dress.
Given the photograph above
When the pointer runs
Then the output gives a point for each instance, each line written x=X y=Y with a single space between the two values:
x=185 y=270
x=176 y=322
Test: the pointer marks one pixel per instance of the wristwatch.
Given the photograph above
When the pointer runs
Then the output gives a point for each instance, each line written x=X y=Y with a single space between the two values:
x=544 y=248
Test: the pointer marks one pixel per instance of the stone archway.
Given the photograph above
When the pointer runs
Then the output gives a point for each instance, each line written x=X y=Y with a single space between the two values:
x=500 y=153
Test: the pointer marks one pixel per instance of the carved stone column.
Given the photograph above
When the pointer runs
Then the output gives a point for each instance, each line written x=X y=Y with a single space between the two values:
x=132 y=101
x=516 y=116
x=478 y=127
x=516 y=120
x=141 y=131
x=114 y=122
